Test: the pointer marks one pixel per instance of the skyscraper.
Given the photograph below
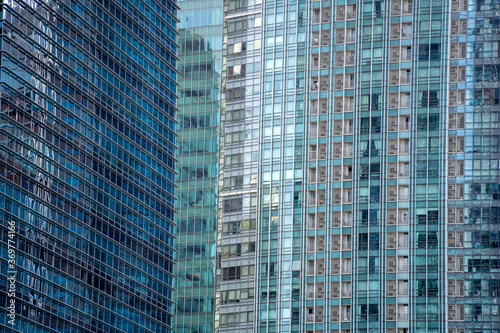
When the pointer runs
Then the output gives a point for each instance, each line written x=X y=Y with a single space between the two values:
x=88 y=116
x=373 y=177
x=238 y=177
x=199 y=111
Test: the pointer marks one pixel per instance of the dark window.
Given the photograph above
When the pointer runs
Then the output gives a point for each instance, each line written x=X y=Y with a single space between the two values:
x=421 y=240
x=433 y=98
x=433 y=216
x=433 y=122
x=423 y=52
x=363 y=241
x=432 y=240
x=231 y=273
x=435 y=51
x=430 y=98
x=375 y=124
x=233 y=205
x=374 y=174
x=375 y=101
x=374 y=241
x=374 y=216
x=363 y=217
x=365 y=125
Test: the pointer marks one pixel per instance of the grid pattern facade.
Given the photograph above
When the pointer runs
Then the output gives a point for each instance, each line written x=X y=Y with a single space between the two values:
x=199 y=111
x=377 y=200
x=238 y=180
x=88 y=116
x=473 y=270
x=281 y=229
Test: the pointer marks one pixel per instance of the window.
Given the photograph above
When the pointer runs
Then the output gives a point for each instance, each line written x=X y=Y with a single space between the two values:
x=429 y=51
x=374 y=241
x=429 y=98
x=231 y=273
x=237 y=71
x=233 y=205
x=363 y=241
x=237 y=48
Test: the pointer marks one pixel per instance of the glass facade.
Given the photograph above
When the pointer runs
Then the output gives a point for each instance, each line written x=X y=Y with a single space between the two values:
x=199 y=111
x=88 y=116
x=281 y=168
x=473 y=279
x=238 y=179
x=337 y=165
x=377 y=170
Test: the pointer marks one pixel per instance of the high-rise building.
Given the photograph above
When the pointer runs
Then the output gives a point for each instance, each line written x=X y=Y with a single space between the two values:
x=200 y=66
x=359 y=167
x=87 y=140
x=238 y=182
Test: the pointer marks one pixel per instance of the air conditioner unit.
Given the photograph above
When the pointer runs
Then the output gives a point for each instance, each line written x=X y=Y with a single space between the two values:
x=321 y=220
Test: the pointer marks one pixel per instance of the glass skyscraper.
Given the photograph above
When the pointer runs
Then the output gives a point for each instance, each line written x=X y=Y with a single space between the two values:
x=199 y=111
x=238 y=177
x=87 y=141
x=337 y=166
x=367 y=201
